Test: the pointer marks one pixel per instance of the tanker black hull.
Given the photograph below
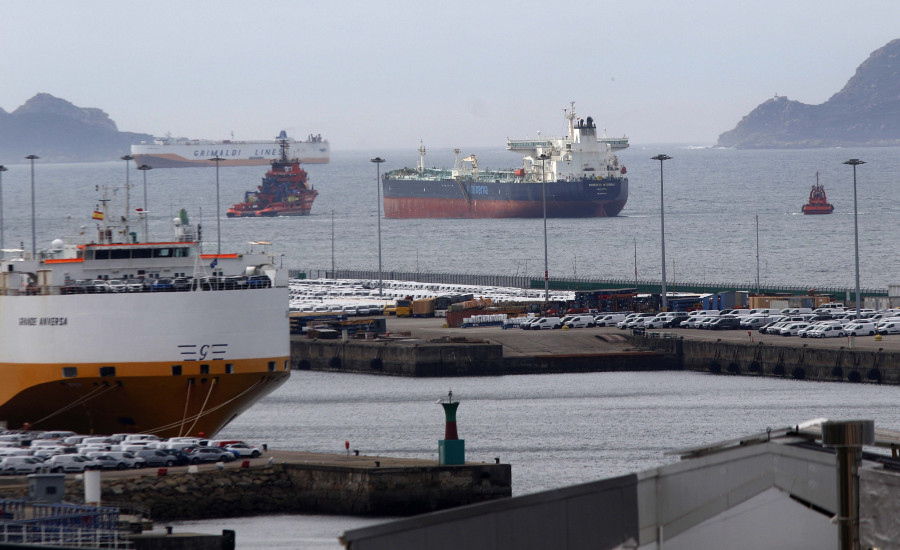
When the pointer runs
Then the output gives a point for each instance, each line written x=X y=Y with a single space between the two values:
x=448 y=198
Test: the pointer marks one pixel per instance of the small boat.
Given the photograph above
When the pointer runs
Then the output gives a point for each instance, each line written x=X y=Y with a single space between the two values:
x=285 y=191
x=818 y=202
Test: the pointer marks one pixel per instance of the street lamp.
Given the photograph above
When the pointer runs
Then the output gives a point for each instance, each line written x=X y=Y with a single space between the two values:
x=2 y=169
x=216 y=159
x=378 y=161
x=662 y=225
x=544 y=157
x=143 y=168
x=127 y=159
x=332 y=245
x=854 y=163
x=32 y=158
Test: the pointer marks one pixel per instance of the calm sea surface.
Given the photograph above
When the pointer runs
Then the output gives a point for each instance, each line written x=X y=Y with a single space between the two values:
x=555 y=430
x=711 y=198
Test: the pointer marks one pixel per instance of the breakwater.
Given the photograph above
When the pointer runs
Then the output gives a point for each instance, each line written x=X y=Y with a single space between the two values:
x=460 y=356
x=380 y=488
x=789 y=361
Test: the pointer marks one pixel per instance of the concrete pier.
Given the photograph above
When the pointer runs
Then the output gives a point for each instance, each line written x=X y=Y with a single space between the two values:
x=297 y=482
x=796 y=358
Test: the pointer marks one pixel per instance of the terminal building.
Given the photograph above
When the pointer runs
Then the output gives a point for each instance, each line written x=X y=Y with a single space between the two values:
x=786 y=488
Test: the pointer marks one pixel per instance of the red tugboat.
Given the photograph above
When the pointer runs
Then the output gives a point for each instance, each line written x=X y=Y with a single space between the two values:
x=284 y=190
x=818 y=203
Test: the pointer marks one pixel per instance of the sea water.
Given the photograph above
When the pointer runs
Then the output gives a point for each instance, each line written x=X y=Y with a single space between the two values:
x=713 y=199
x=555 y=430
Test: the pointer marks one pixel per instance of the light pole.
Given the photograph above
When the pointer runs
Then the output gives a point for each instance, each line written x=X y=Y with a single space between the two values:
x=127 y=159
x=2 y=169
x=143 y=168
x=378 y=161
x=216 y=159
x=544 y=157
x=757 y=254
x=854 y=163
x=662 y=225
x=32 y=158
x=332 y=244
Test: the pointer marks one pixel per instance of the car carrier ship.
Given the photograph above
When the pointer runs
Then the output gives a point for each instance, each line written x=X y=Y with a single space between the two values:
x=169 y=152
x=116 y=335
x=580 y=175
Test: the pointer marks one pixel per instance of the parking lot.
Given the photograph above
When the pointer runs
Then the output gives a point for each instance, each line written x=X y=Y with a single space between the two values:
x=587 y=340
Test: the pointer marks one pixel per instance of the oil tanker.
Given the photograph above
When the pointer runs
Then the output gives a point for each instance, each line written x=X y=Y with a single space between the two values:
x=576 y=176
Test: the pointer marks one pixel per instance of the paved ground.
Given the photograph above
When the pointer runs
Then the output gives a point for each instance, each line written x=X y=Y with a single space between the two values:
x=588 y=340
x=278 y=457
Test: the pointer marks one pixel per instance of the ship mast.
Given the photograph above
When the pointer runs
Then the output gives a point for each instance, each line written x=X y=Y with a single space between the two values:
x=570 y=116
x=421 y=167
x=284 y=143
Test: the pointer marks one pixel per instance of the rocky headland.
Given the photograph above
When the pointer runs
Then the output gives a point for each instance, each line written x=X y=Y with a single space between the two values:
x=58 y=131
x=865 y=113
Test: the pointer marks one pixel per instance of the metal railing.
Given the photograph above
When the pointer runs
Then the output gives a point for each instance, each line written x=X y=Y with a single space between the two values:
x=60 y=524
x=574 y=283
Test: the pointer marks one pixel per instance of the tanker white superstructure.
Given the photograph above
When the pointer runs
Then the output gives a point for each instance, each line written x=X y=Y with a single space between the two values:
x=113 y=336
x=171 y=152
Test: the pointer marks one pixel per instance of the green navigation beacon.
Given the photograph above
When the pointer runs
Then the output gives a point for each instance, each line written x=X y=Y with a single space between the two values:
x=451 y=449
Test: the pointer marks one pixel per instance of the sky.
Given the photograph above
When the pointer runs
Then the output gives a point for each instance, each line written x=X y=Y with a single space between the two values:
x=383 y=75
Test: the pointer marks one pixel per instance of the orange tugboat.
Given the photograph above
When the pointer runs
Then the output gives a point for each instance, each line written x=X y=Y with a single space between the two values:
x=284 y=191
x=818 y=203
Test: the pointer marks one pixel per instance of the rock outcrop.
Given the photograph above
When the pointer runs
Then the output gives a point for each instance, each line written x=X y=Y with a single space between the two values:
x=865 y=113
x=58 y=131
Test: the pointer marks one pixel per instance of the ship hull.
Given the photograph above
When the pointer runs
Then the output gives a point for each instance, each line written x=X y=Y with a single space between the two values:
x=816 y=209
x=166 y=363
x=588 y=198
x=232 y=154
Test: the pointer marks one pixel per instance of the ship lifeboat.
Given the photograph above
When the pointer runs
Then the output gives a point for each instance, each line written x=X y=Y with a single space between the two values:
x=818 y=202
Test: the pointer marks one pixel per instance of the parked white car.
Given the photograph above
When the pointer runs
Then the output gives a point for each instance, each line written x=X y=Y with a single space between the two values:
x=828 y=331
x=243 y=450
x=18 y=465
x=791 y=329
x=581 y=321
x=890 y=327
x=861 y=328
x=609 y=319
x=71 y=463
x=623 y=324
x=543 y=323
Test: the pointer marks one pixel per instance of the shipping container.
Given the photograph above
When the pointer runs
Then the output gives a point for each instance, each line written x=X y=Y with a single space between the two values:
x=423 y=308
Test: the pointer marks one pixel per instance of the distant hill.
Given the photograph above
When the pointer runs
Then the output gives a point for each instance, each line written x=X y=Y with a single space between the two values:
x=57 y=131
x=866 y=112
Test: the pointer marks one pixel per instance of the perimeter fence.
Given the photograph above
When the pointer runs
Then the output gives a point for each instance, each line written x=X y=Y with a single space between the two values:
x=578 y=283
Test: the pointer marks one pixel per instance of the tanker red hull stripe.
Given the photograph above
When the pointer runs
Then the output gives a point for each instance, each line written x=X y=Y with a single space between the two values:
x=461 y=208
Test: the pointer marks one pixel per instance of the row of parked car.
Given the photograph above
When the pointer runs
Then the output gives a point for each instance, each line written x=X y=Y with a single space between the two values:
x=829 y=321
x=570 y=321
x=26 y=452
x=165 y=284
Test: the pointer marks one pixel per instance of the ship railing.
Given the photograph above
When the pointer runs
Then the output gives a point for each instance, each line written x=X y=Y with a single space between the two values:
x=63 y=537
x=53 y=290
x=60 y=525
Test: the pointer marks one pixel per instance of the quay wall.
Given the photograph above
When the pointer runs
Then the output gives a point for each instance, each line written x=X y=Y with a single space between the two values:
x=303 y=488
x=760 y=359
x=459 y=358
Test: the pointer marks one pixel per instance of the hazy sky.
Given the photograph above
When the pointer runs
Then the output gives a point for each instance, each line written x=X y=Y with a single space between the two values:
x=384 y=74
